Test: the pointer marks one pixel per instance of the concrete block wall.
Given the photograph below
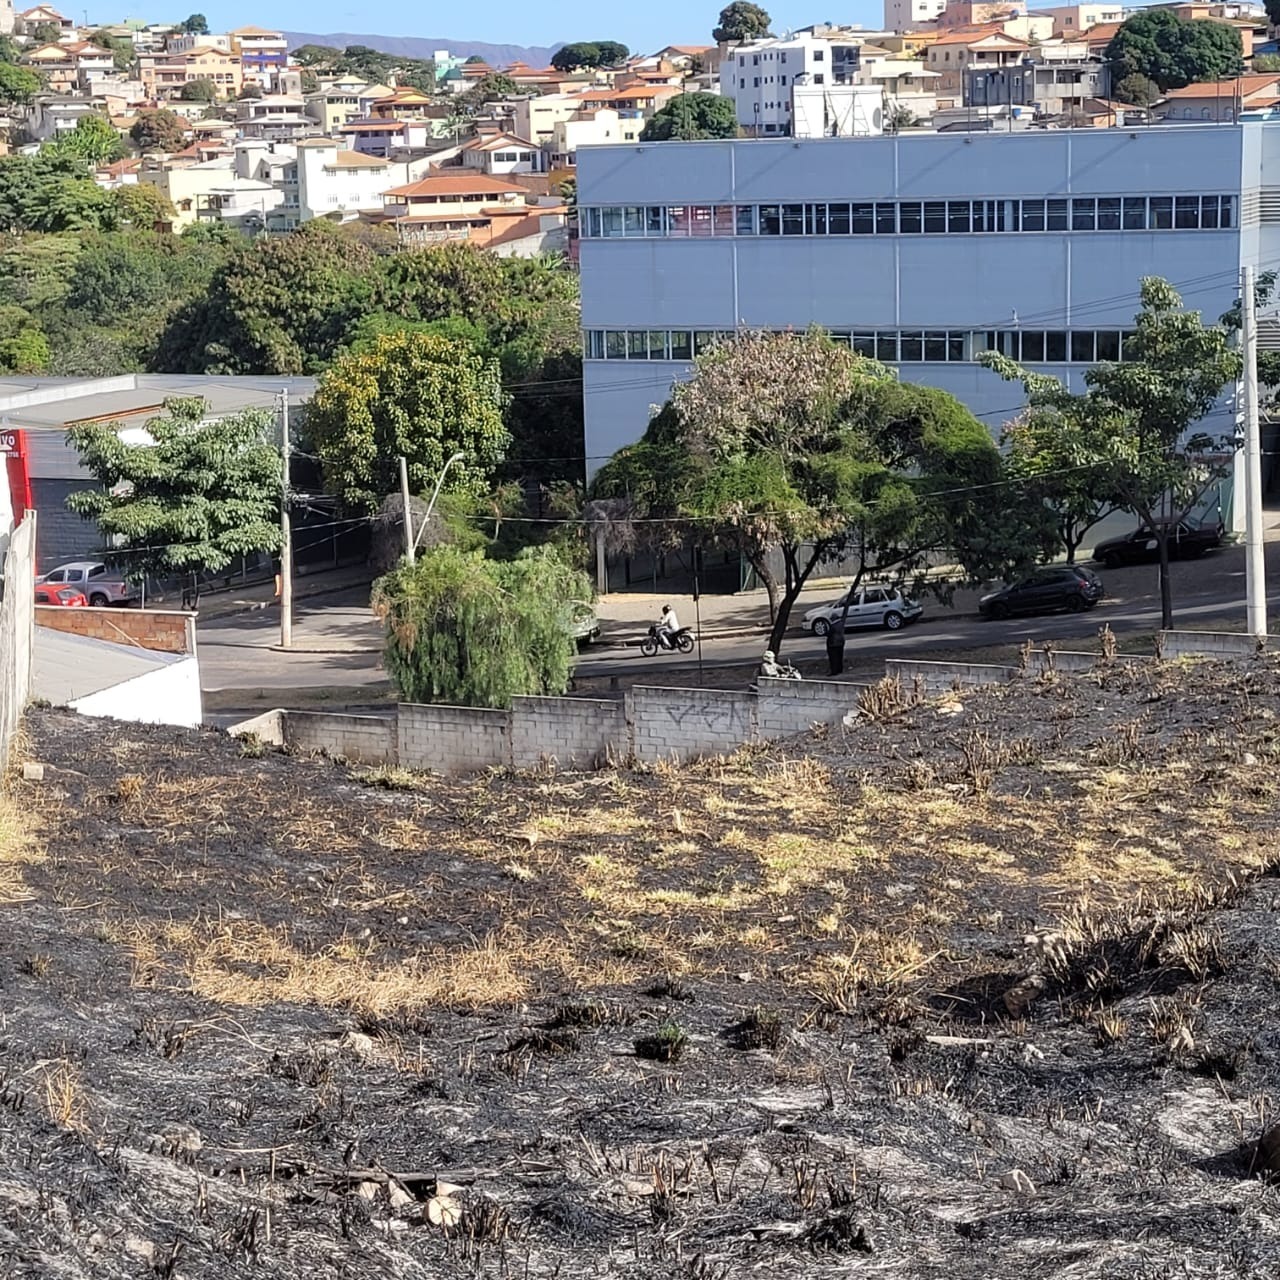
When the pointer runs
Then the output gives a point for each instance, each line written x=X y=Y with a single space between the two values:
x=368 y=739
x=16 y=629
x=573 y=733
x=785 y=707
x=269 y=727
x=452 y=739
x=1210 y=644
x=938 y=677
x=677 y=724
x=164 y=631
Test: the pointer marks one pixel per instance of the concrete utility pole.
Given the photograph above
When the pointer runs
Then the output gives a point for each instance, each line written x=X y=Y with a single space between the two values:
x=408 y=516
x=1254 y=563
x=286 y=534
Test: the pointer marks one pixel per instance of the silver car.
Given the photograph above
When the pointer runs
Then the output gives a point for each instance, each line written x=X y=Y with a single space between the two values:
x=874 y=606
x=101 y=585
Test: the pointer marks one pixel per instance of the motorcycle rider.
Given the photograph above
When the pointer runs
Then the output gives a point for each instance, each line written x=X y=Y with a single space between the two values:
x=667 y=627
x=769 y=667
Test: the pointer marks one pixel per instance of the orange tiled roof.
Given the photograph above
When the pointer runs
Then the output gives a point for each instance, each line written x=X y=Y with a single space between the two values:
x=448 y=185
x=354 y=160
x=975 y=35
x=1242 y=86
x=1100 y=33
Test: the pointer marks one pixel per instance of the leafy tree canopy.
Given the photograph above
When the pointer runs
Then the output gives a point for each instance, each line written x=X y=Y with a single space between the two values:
x=420 y=395
x=199 y=91
x=316 y=55
x=469 y=631
x=93 y=140
x=18 y=85
x=158 y=130
x=689 y=117
x=1136 y=90
x=196 y=25
x=1145 y=424
x=50 y=193
x=202 y=494
x=1174 y=52
x=589 y=54
x=47 y=33
x=740 y=21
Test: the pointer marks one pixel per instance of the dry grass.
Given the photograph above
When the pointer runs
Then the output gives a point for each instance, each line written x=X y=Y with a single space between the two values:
x=17 y=851
x=62 y=1095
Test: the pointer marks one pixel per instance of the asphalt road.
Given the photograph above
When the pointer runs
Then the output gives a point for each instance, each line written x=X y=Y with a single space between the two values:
x=337 y=640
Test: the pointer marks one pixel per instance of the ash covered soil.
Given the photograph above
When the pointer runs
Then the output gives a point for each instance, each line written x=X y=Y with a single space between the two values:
x=980 y=987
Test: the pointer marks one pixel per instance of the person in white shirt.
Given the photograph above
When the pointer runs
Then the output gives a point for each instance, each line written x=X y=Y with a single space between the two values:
x=668 y=625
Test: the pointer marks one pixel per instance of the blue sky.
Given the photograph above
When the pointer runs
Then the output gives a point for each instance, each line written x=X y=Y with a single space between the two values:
x=644 y=27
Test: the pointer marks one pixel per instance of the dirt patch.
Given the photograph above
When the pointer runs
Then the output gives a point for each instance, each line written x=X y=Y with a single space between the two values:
x=977 y=988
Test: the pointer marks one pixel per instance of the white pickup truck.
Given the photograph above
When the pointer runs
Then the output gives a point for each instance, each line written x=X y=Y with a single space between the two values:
x=101 y=585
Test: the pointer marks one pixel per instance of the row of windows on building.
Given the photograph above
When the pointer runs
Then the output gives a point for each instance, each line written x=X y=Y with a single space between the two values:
x=913 y=217
x=892 y=346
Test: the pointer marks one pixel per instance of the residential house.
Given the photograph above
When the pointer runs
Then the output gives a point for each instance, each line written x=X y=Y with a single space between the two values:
x=120 y=173
x=27 y=21
x=502 y=153
x=591 y=127
x=387 y=138
x=976 y=13
x=165 y=73
x=688 y=57
x=188 y=181
x=1072 y=19
x=1219 y=100
x=1247 y=19
x=986 y=48
x=274 y=115
x=339 y=184
x=1099 y=36
x=908 y=86
x=52 y=114
x=338 y=103
x=902 y=15
x=74 y=64
x=404 y=103
x=187 y=41
x=1045 y=85
x=536 y=118
x=485 y=211
x=263 y=54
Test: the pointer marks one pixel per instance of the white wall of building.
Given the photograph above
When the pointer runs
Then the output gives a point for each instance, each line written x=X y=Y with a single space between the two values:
x=836 y=110
x=903 y=15
x=759 y=77
x=1021 y=281
x=168 y=695
x=326 y=187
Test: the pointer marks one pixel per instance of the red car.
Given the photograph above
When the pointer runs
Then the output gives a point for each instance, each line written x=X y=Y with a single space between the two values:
x=70 y=597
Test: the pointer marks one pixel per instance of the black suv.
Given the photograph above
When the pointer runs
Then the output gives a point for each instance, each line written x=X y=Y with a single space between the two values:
x=1066 y=587
x=1186 y=542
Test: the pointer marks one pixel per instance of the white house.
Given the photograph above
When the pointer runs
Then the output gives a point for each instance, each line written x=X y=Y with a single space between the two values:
x=334 y=182
x=906 y=15
x=498 y=154
x=922 y=250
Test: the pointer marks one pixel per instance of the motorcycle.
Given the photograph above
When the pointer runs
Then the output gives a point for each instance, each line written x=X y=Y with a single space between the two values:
x=681 y=640
x=785 y=671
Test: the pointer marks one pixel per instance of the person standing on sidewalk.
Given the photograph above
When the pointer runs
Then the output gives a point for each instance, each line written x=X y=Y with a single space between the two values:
x=835 y=646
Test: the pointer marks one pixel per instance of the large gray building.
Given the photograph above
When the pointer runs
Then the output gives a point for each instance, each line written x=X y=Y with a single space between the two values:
x=919 y=250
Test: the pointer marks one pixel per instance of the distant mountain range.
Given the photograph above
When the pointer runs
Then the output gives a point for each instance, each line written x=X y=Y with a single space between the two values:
x=497 y=55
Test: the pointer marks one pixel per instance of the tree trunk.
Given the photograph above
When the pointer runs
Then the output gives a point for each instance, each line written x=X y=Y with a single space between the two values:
x=1166 y=587
x=796 y=578
x=766 y=575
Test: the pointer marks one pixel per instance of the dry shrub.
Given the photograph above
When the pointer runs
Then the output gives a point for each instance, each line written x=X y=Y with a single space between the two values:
x=247 y=963
x=887 y=699
x=17 y=850
x=63 y=1096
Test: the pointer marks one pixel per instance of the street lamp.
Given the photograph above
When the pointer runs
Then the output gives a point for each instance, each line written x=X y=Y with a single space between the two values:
x=457 y=457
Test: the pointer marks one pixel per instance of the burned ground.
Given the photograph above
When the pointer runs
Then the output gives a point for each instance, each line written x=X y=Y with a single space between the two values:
x=981 y=987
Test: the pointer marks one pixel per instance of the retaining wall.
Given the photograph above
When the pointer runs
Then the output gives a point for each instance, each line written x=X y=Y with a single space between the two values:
x=1212 y=644
x=675 y=724
x=367 y=739
x=574 y=733
x=938 y=677
x=164 y=631
x=452 y=739
x=784 y=707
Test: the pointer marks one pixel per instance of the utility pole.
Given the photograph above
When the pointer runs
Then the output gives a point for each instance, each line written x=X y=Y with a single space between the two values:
x=408 y=516
x=1254 y=563
x=286 y=534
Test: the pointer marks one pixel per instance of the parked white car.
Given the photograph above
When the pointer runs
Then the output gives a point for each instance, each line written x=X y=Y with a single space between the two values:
x=874 y=606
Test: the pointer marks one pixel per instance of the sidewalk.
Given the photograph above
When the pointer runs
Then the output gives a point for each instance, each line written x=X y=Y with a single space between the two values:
x=262 y=595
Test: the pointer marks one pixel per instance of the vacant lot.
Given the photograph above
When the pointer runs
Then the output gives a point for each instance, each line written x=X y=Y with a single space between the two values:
x=983 y=987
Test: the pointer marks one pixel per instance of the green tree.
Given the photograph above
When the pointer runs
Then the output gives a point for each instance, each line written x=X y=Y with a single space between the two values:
x=788 y=447
x=574 y=57
x=158 y=130
x=252 y=90
x=123 y=54
x=18 y=85
x=46 y=33
x=741 y=21
x=196 y=25
x=898 y=117
x=1136 y=90
x=487 y=90
x=612 y=53
x=316 y=55
x=141 y=205
x=10 y=49
x=1144 y=423
x=1043 y=460
x=202 y=494
x=25 y=352
x=469 y=631
x=198 y=91
x=94 y=140
x=50 y=193
x=419 y=395
x=693 y=116
x=1156 y=43
x=1265 y=61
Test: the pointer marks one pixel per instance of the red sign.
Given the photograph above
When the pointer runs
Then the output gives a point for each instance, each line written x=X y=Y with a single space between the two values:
x=14 y=451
